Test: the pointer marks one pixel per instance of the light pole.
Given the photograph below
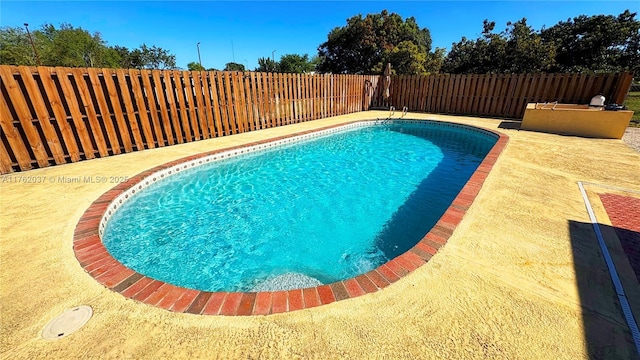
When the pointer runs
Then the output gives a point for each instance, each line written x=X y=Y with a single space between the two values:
x=246 y=63
x=32 y=44
x=273 y=58
x=199 y=59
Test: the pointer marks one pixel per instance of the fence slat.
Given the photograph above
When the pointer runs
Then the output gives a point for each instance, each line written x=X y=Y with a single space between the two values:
x=114 y=99
x=180 y=86
x=13 y=137
x=138 y=103
x=86 y=102
x=5 y=160
x=105 y=114
x=170 y=94
x=215 y=106
x=43 y=115
x=190 y=105
x=198 y=88
x=24 y=117
x=169 y=136
x=129 y=109
x=152 y=105
x=76 y=115
x=208 y=110
x=224 y=108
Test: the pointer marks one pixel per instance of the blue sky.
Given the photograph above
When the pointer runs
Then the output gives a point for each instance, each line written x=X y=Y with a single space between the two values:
x=246 y=30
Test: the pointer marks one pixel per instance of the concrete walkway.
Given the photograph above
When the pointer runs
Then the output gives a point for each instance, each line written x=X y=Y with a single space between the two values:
x=522 y=277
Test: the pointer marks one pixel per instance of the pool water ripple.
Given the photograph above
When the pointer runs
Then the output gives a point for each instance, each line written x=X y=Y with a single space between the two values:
x=330 y=208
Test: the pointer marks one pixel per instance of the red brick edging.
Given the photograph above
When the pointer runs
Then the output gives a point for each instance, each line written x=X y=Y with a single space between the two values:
x=96 y=260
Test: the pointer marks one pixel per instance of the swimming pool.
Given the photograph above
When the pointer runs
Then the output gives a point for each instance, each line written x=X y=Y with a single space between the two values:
x=404 y=195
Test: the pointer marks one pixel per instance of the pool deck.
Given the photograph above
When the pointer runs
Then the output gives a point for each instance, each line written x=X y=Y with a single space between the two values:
x=522 y=276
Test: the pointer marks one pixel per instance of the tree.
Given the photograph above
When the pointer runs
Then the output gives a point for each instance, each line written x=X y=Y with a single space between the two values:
x=129 y=59
x=266 y=64
x=599 y=43
x=294 y=63
x=518 y=49
x=157 y=58
x=366 y=45
x=76 y=47
x=596 y=43
x=15 y=48
x=232 y=66
x=194 y=66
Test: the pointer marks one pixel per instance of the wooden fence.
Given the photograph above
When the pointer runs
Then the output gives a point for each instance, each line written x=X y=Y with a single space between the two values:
x=503 y=96
x=59 y=115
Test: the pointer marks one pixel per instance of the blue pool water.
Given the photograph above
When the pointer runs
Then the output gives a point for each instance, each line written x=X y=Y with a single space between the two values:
x=329 y=208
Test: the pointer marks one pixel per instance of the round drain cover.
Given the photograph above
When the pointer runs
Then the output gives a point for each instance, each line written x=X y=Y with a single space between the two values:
x=67 y=323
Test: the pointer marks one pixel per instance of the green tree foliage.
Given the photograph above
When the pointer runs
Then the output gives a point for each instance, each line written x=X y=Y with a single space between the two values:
x=129 y=59
x=596 y=43
x=76 y=47
x=194 y=66
x=518 y=49
x=266 y=64
x=599 y=43
x=366 y=45
x=157 y=58
x=294 y=63
x=232 y=66
x=15 y=48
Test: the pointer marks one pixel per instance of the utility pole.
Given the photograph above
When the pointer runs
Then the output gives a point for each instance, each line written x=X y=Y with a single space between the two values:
x=32 y=44
x=199 y=59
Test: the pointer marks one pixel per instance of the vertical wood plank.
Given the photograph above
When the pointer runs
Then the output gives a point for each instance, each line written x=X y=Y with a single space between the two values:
x=233 y=116
x=190 y=103
x=114 y=99
x=282 y=112
x=162 y=103
x=25 y=117
x=305 y=96
x=502 y=95
x=84 y=101
x=129 y=109
x=215 y=105
x=40 y=108
x=249 y=101
x=179 y=87
x=255 y=99
x=6 y=166
x=170 y=94
x=139 y=104
x=225 y=118
x=289 y=96
x=152 y=105
x=14 y=139
x=260 y=98
x=266 y=88
x=76 y=115
x=285 y=99
x=201 y=111
x=208 y=108
x=240 y=101
x=521 y=91
x=105 y=114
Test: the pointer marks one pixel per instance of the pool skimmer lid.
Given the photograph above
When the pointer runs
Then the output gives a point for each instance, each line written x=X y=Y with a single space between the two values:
x=67 y=323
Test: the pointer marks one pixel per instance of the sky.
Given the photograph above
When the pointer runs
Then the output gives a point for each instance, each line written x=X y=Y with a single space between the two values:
x=243 y=31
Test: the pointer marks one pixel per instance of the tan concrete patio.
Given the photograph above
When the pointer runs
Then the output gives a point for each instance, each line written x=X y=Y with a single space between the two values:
x=522 y=277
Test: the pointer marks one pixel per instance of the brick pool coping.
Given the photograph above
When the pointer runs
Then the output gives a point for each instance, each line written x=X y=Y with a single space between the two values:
x=98 y=262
